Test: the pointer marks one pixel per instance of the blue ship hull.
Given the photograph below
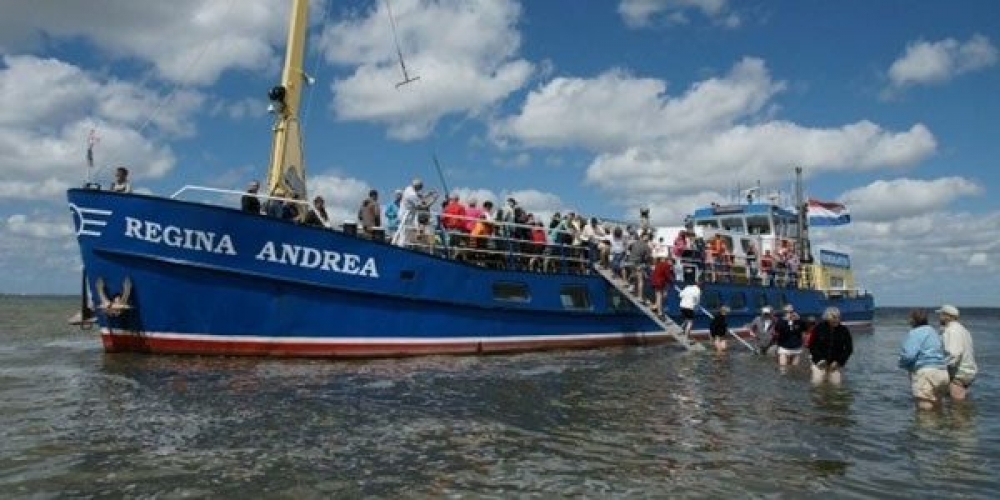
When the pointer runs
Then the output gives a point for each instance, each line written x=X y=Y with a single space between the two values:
x=205 y=279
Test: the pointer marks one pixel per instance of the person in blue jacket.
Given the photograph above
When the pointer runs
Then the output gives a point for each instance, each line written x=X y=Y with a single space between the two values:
x=922 y=355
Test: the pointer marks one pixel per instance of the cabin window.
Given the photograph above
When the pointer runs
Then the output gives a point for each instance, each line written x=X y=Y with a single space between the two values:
x=708 y=223
x=619 y=302
x=761 y=300
x=737 y=301
x=836 y=282
x=758 y=224
x=734 y=224
x=574 y=297
x=712 y=300
x=510 y=292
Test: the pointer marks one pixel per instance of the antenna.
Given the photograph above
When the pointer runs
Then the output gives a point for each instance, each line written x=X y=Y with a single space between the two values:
x=399 y=51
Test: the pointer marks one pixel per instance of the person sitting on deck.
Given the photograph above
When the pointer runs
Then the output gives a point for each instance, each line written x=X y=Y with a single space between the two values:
x=317 y=216
x=249 y=203
x=121 y=183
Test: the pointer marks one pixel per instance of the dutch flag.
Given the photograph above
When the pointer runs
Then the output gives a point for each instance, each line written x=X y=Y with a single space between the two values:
x=824 y=213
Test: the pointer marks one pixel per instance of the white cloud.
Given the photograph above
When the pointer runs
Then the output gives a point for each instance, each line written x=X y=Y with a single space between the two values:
x=651 y=144
x=187 y=41
x=641 y=13
x=616 y=110
x=936 y=62
x=900 y=198
x=22 y=225
x=463 y=69
x=978 y=259
x=45 y=141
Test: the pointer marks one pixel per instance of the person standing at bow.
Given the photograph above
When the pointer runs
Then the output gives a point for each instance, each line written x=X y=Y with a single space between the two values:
x=831 y=347
x=962 y=367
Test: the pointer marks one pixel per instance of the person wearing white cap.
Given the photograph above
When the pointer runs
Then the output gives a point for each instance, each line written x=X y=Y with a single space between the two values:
x=412 y=204
x=789 y=337
x=962 y=367
x=763 y=328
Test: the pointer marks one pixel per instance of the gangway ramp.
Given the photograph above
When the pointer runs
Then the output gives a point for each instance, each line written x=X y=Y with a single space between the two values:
x=666 y=323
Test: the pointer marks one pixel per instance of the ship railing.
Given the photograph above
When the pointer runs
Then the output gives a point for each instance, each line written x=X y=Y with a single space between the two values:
x=845 y=293
x=223 y=199
x=508 y=245
x=739 y=270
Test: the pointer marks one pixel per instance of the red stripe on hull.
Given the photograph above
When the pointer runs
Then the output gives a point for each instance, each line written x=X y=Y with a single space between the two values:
x=160 y=345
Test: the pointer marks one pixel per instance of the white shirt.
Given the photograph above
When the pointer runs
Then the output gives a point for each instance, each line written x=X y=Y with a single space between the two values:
x=958 y=346
x=690 y=297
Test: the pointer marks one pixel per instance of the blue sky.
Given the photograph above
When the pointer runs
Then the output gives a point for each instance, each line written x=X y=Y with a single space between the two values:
x=891 y=107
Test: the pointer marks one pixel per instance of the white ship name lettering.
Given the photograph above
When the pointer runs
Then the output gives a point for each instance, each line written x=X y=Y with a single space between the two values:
x=314 y=258
x=179 y=237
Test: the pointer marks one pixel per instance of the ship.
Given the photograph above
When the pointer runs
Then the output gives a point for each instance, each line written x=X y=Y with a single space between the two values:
x=181 y=275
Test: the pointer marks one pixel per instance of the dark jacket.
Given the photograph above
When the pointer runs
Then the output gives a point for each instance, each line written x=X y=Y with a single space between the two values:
x=789 y=333
x=250 y=204
x=719 y=326
x=831 y=344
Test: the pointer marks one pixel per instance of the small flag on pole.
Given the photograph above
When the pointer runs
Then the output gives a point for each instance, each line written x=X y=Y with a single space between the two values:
x=824 y=213
x=91 y=141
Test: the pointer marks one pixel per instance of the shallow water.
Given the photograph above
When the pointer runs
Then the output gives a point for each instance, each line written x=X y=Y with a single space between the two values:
x=627 y=422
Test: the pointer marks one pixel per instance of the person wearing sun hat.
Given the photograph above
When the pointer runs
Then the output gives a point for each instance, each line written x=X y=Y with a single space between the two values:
x=957 y=340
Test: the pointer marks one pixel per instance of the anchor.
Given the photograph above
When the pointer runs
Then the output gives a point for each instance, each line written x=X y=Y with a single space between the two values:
x=118 y=304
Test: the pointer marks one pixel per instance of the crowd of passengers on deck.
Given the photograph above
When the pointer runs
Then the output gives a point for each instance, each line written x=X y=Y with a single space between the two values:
x=511 y=237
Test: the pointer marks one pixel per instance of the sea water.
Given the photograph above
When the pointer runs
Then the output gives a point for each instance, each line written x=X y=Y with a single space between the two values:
x=634 y=422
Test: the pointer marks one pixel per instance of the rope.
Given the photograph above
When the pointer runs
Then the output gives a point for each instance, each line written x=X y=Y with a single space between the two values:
x=175 y=88
x=307 y=106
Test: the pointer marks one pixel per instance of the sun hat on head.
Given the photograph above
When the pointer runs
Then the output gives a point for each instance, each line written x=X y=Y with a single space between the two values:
x=948 y=309
x=788 y=308
x=724 y=310
x=765 y=310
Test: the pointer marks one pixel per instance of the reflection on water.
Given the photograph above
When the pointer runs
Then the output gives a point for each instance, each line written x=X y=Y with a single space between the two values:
x=642 y=422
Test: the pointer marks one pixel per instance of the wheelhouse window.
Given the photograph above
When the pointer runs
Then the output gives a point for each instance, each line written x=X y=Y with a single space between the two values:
x=758 y=224
x=619 y=302
x=509 y=291
x=732 y=224
x=574 y=297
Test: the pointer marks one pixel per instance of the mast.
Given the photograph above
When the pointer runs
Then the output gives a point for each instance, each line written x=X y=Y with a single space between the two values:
x=805 y=253
x=286 y=175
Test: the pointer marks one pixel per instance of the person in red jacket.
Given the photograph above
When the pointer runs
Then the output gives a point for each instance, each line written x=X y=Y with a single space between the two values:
x=661 y=281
